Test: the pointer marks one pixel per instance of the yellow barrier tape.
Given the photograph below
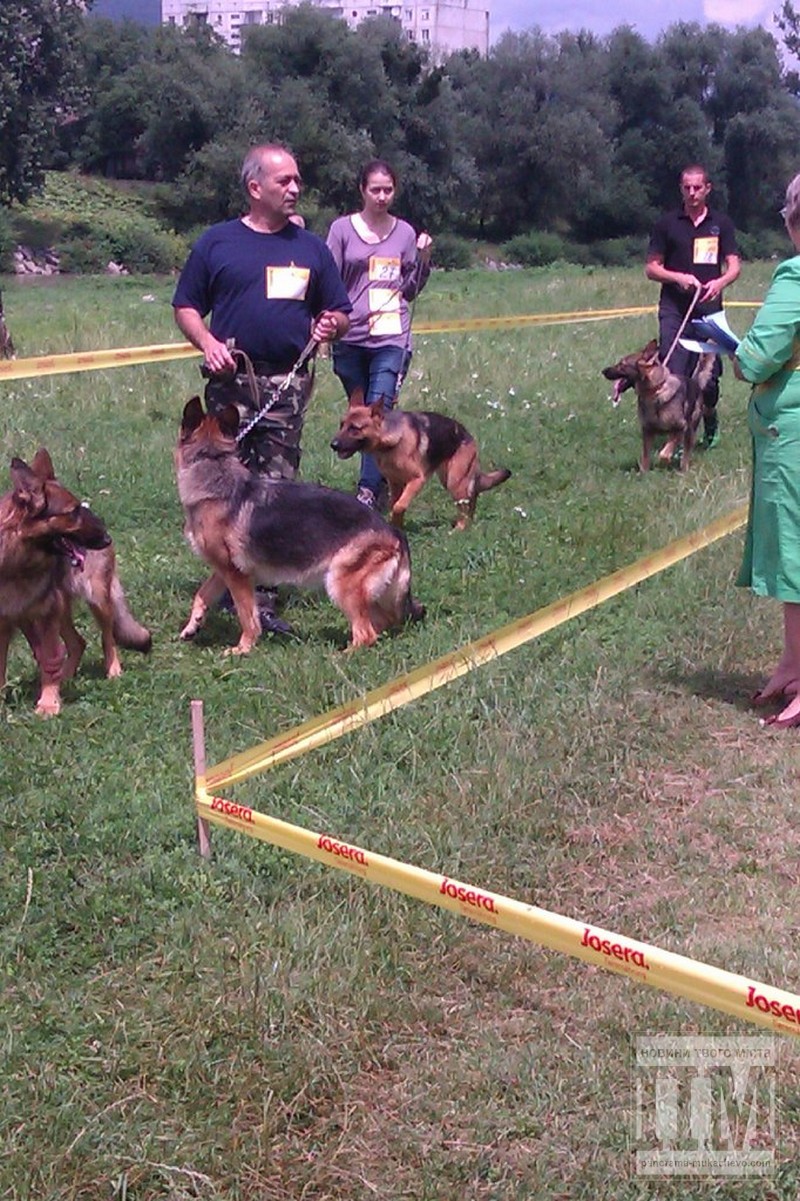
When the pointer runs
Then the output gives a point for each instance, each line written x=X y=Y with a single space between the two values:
x=513 y=322
x=401 y=691
x=747 y=999
x=580 y=316
x=98 y=360
x=94 y=360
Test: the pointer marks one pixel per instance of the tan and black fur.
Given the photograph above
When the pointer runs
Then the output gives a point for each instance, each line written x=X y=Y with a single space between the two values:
x=409 y=447
x=667 y=403
x=253 y=530
x=53 y=549
x=7 y=350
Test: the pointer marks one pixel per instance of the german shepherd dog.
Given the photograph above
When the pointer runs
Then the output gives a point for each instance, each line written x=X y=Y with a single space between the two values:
x=53 y=549
x=409 y=447
x=6 y=344
x=667 y=403
x=255 y=530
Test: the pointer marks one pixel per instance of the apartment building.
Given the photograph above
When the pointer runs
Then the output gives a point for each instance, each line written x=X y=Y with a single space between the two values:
x=443 y=26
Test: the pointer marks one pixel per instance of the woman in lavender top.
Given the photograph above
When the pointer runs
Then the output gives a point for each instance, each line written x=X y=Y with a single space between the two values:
x=384 y=265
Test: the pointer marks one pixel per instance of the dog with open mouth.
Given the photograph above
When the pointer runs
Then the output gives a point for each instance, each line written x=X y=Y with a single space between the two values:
x=666 y=403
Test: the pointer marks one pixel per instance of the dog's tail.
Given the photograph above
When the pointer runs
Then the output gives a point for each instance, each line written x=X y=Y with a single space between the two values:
x=7 y=350
x=127 y=630
x=487 y=480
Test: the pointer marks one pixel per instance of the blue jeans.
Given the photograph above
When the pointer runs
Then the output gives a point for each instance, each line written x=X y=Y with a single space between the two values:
x=375 y=369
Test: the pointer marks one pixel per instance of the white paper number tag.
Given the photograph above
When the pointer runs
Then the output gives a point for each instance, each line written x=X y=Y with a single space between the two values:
x=384 y=312
x=287 y=283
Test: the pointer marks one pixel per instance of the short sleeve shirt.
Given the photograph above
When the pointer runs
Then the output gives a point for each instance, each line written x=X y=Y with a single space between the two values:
x=379 y=280
x=699 y=250
x=262 y=289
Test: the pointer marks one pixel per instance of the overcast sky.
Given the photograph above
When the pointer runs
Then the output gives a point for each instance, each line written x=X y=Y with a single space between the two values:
x=601 y=16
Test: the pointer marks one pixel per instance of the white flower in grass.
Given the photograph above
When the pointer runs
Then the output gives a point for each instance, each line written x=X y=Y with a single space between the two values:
x=512 y=392
x=148 y=298
x=522 y=513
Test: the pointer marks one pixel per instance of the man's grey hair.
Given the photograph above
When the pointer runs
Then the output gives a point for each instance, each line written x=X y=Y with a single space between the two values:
x=253 y=165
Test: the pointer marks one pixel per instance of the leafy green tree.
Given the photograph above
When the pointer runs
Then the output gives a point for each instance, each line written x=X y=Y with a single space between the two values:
x=761 y=158
x=37 y=81
x=536 y=123
x=148 y=113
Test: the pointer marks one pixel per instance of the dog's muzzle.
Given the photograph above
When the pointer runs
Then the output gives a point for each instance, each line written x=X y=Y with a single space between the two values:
x=343 y=449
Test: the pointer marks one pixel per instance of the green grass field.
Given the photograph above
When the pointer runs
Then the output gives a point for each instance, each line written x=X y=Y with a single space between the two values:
x=260 y=1028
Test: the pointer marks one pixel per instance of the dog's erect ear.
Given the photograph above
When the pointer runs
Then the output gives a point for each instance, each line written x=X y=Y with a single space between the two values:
x=228 y=421
x=650 y=350
x=192 y=416
x=42 y=464
x=28 y=488
x=377 y=408
x=356 y=399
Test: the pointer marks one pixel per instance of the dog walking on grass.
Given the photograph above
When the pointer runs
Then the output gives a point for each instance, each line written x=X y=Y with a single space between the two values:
x=409 y=447
x=251 y=529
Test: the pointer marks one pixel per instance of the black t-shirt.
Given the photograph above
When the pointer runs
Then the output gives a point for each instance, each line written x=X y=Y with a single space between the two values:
x=699 y=250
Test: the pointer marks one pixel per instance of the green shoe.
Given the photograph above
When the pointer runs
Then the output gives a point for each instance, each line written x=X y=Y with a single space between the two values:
x=711 y=441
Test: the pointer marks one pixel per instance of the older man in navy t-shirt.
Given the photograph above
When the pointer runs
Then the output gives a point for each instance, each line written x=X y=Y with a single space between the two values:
x=269 y=287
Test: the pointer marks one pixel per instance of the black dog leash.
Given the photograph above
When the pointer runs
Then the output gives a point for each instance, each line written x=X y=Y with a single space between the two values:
x=415 y=277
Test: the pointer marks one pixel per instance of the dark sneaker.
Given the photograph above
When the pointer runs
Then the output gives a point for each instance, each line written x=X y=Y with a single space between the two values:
x=266 y=604
x=225 y=603
x=272 y=624
x=367 y=497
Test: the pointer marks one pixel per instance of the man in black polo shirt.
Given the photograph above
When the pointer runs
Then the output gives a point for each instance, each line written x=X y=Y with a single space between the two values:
x=692 y=246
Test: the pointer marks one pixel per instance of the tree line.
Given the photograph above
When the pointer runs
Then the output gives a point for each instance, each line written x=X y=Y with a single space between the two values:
x=570 y=133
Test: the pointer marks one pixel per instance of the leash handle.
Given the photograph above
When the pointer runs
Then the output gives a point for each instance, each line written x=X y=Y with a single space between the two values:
x=683 y=324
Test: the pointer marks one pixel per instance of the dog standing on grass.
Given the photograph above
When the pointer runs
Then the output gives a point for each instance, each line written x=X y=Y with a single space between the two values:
x=251 y=529
x=53 y=549
x=667 y=403
x=409 y=447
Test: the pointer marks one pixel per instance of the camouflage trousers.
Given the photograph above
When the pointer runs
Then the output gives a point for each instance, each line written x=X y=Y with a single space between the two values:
x=272 y=446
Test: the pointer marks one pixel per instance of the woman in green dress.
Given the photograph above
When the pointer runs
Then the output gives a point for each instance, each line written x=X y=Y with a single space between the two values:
x=769 y=358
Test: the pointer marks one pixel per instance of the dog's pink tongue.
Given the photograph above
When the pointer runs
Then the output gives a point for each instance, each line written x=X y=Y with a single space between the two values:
x=615 y=395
